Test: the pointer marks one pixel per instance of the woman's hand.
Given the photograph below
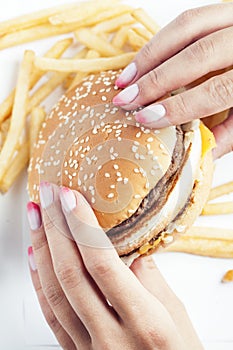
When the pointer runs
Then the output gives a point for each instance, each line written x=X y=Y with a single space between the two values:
x=197 y=42
x=90 y=299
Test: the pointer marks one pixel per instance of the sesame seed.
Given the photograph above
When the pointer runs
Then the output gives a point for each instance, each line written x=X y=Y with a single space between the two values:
x=85 y=177
x=118 y=173
x=104 y=98
x=138 y=134
x=66 y=172
x=162 y=146
x=150 y=139
x=99 y=148
x=134 y=149
x=130 y=211
x=136 y=170
x=92 y=200
x=142 y=157
x=119 y=138
x=115 y=166
x=119 y=179
x=91 y=188
x=99 y=167
x=112 y=186
x=126 y=180
x=136 y=143
x=110 y=195
x=70 y=177
x=91 y=175
x=147 y=185
x=107 y=175
x=137 y=196
x=111 y=150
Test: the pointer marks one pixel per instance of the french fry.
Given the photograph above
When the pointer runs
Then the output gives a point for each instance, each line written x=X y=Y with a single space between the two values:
x=143 y=32
x=37 y=117
x=142 y=17
x=32 y=19
x=135 y=40
x=113 y=24
x=55 y=51
x=221 y=190
x=120 y=37
x=218 y=208
x=213 y=242
x=82 y=65
x=94 y=42
x=18 y=118
x=80 y=76
x=82 y=12
x=18 y=163
x=228 y=277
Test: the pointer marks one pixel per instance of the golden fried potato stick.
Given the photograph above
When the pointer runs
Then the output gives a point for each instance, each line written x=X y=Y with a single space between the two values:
x=142 y=17
x=120 y=37
x=143 y=32
x=206 y=241
x=81 y=75
x=19 y=113
x=82 y=65
x=94 y=42
x=135 y=40
x=55 y=51
x=32 y=19
x=113 y=24
x=82 y=12
x=18 y=163
x=38 y=115
x=221 y=190
x=218 y=208
x=228 y=277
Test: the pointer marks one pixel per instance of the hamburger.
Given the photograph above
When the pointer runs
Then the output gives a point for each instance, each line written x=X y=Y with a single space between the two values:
x=145 y=186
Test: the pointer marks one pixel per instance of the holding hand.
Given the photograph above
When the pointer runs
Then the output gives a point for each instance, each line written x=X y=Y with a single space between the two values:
x=196 y=43
x=90 y=299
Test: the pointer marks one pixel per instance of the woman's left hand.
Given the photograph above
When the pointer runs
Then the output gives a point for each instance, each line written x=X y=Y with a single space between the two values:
x=89 y=297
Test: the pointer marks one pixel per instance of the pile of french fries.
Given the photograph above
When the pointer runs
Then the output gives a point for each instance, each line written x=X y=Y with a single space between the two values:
x=106 y=35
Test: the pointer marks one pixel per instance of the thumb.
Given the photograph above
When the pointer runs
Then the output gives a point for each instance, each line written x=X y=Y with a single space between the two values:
x=224 y=137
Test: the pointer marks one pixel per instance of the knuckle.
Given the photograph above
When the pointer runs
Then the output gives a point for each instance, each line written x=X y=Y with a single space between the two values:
x=147 y=51
x=220 y=90
x=179 y=106
x=48 y=225
x=53 y=294
x=187 y=17
x=152 y=338
x=155 y=80
x=69 y=275
x=52 y=321
x=201 y=50
x=99 y=266
x=39 y=243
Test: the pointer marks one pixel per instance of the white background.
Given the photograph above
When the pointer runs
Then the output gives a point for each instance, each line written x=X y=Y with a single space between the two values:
x=196 y=280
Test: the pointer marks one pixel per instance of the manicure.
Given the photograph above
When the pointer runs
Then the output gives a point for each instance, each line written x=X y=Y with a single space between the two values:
x=126 y=96
x=46 y=194
x=68 y=199
x=31 y=259
x=127 y=75
x=154 y=116
x=34 y=216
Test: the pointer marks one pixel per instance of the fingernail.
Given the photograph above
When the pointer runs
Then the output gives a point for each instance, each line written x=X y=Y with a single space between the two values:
x=127 y=75
x=34 y=216
x=68 y=199
x=46 y=194
x=153 y=115
x=127 y=95
x=31 y=259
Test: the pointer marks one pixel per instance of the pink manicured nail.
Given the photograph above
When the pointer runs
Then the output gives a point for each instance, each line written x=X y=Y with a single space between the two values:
x=34 y=216
x=68 y=199
x=154 y=116
x=31 y=259
x=46 y=194
x=126 y=96
x=127 y=75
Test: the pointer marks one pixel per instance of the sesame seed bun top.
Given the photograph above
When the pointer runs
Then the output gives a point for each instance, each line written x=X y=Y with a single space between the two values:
x=92 y=146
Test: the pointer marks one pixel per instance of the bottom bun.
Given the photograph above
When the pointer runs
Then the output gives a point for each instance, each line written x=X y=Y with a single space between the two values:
x=186 y=218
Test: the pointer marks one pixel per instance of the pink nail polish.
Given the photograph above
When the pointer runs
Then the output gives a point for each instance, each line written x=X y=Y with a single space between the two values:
x=31 y=259
x=127 y=75
x=68 y=199
x=46 y=194
x=34 y=216
x=153 y=116
x=126 y=96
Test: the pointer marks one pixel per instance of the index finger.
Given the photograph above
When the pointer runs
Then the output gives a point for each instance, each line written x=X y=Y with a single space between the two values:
x=115 y=280
x=188 y=27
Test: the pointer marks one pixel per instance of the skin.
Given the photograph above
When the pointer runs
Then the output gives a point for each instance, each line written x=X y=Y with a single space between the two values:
x=196 y=43
x=89 y=297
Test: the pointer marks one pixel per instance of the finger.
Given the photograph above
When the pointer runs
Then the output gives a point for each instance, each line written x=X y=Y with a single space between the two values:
x=150 y=277
x=51 y=288
x=119 y=285
x=78 y=286
x=62 y=336
x=188 y=27
x=210 y=97
x=198 y=59
x=224 y=137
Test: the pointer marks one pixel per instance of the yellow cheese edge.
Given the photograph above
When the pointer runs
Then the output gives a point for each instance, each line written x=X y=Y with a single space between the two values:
x=208 y=143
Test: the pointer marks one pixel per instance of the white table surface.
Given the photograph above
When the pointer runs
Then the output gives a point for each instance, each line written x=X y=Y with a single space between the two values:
x=196 y=280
